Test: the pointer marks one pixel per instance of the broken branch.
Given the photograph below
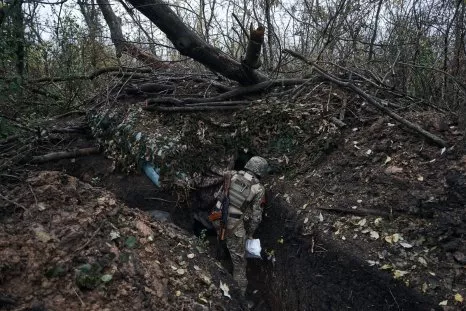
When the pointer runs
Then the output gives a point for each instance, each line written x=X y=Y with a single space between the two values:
x=65 y=155
x=92 y=75
x=370 y=100
x=237 y=92
x=195 y=108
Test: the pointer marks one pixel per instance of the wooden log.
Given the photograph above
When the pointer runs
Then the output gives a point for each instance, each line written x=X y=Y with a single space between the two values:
x=194 y=108
x=65 y=155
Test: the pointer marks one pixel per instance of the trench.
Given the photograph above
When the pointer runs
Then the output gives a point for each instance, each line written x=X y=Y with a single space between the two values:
x=302 y=277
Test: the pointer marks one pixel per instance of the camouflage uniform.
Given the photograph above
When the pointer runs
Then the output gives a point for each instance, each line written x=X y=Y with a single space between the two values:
x=238 y=230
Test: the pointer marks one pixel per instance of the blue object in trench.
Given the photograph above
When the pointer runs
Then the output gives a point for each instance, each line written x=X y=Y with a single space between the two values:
x=152 y=173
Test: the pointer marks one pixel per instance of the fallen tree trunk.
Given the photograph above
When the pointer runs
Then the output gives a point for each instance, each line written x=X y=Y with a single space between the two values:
x=65 y=155
x=188 y=43
x=371 y=100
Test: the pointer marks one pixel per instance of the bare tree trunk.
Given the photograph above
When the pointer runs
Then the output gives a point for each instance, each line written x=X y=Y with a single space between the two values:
x=374 y=34
x=188 y=43
x=270 y=61
x=121 y=45
x=90 y=15
x=18 y=22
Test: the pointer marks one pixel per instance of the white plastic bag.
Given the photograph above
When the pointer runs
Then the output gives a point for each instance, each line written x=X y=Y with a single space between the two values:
x=253 y=248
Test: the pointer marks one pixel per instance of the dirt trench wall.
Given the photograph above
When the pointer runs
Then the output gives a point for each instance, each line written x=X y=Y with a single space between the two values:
x=317 y=274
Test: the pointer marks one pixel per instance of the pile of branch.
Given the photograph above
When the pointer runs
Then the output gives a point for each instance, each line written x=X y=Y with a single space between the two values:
x=22 y=148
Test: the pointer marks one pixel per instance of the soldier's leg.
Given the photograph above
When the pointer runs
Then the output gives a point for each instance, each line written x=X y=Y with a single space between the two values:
x=235 y=246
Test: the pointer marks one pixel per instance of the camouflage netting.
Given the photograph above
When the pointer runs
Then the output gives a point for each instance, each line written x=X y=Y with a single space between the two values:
x=182 y=145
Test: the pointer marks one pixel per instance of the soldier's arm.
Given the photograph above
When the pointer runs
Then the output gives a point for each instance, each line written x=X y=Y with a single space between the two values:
x=256 y=206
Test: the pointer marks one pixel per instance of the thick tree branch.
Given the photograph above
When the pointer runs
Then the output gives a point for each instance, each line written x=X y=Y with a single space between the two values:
x=237 y=92
x=92 y=75
x=121 y=45
x=188 y=43
x=65 y=155
x=370 y=100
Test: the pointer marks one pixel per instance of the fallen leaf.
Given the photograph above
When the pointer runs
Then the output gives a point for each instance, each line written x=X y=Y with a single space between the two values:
x=375 y=235
x=388 y=159
x=420 y=178
x=372 y=262
x=204 y=278
x=443 y=150
x=377 y=221
x=458 y=297
x=399 y=273
x=143 y=228
x=386 y=266
x=424 y=287
x=190 y=256
x=181 y=271
x=405 y=245
x=362 y=222
x=225 y=289
x=196 y=268
x=114 y=235
x=130 y=242
x=177 y=293
x=393 y=170
x=304 y=206
x=280 y=241
x=106 y=278
x=443 y=303
x=41 y=206
x=43 y=236
x=306 y=220
x=287 y=198
x=321 y=218
x=392 y=238
x=422 y=261
x=368 y=152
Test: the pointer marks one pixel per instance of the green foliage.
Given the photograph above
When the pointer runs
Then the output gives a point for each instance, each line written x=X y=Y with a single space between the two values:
x=131 y=242
x=88 y=276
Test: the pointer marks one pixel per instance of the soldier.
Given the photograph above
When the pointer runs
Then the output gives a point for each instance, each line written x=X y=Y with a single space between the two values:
x=246 y=199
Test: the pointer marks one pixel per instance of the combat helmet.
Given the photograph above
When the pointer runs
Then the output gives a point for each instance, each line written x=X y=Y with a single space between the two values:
x=257 y=165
